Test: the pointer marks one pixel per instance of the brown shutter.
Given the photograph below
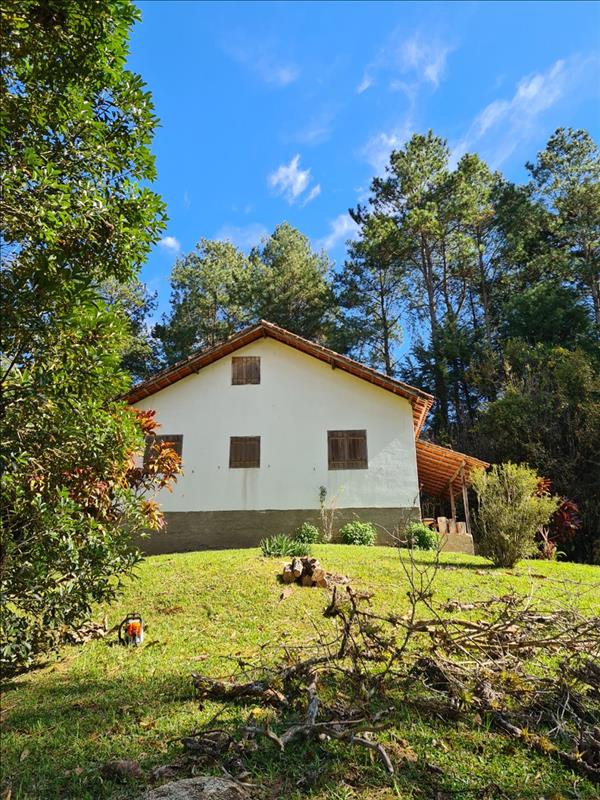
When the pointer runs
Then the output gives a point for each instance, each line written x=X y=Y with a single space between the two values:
x=347 y=449
x=357 y=449
x=337 y=448
x=245 y=369
x=244 y=452
x=253 y=369
x=174 y=439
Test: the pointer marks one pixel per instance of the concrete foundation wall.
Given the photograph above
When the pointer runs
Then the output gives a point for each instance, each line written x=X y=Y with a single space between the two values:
x=217 y=530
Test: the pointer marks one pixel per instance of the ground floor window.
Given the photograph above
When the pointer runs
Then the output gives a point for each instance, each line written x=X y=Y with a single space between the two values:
x=244 y=451
x=347 y=449
x=174 y=439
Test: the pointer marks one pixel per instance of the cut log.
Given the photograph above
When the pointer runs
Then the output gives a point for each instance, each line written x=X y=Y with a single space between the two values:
x=442 y=525
x=451 y=526
x=297 y=567
x=310 y=565
x=288 y=574
x=461 y=528
x=306 y=580
x=318 y=574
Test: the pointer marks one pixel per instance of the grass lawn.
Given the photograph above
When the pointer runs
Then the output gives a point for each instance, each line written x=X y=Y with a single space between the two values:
x=99 y=701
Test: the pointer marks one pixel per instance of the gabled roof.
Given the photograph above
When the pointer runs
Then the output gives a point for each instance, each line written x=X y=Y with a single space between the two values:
x=421 y=401
x=439 y=466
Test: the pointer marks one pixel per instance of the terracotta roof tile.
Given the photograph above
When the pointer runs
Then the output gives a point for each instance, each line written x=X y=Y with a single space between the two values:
x=437 y=466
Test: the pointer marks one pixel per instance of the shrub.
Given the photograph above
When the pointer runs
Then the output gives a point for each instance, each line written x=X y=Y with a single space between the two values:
x=282 y=545
x=421 y=536
x=358 y=533
x=327 y=511
x=510 y=513
x=307 y=533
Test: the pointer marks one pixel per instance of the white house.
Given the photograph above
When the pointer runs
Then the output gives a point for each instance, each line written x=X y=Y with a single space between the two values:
x=267 y=418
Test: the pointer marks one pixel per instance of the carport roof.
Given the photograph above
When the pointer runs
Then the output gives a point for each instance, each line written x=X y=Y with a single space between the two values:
x=439 y=466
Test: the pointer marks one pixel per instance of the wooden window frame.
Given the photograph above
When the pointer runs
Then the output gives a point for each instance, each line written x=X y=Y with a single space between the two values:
x=342 y=440
x=245 y=370
x=175 y=439
x=240 y=461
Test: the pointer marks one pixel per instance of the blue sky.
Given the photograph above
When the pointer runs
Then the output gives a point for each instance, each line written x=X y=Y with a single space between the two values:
x=285 y=111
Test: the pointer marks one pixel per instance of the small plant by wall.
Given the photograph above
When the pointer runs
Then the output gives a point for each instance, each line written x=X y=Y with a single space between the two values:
x=282 y=545
x=307 y=533
x=358 y=533
x=421 y=536
x=327 y=512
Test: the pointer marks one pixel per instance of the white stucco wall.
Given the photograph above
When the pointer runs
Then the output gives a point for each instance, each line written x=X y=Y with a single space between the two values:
x=298 y=400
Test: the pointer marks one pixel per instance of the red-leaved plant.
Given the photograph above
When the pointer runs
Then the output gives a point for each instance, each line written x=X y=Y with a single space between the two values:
x=563 y=525
x=98 y=494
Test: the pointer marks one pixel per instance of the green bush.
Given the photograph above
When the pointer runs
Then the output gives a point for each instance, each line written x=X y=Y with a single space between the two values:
x=307 y=533
x=358 y=533
x=282 y=545
x=510 y=512
x=421 y=536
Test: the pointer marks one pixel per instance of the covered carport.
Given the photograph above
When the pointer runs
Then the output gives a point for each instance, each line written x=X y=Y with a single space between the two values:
x=446 y=473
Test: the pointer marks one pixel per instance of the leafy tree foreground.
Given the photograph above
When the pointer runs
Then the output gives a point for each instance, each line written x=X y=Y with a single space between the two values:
x=75 y=161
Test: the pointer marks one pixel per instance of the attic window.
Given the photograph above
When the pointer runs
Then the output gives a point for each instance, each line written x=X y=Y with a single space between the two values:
x=347 y=450
x=244 y=452
x=174 y=439
x=245 y=369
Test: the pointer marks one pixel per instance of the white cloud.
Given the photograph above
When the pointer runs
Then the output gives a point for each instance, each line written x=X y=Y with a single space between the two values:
x=314 y=134
x=318 y=125
x=422 y=59
x=291 y=181
x=341 y=228
x=260 y=58
x=365 y=84
x=314 y=192
x=278 y=74
x=407 y=64
x=244 y=236
x=377 y=149
x=425 y=57
x=317 y=131
x=504 y=124
x=170 y=244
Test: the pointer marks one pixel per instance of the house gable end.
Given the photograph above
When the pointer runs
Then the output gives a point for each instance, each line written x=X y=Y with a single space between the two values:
x=420 y=401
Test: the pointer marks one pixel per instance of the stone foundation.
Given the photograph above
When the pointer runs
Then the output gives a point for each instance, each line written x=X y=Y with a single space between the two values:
x=219 y=530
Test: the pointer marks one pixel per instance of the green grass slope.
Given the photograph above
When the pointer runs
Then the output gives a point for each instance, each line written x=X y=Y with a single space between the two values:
x=99 y=701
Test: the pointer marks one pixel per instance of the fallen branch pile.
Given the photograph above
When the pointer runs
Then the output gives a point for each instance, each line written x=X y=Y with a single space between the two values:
x=528 y=670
